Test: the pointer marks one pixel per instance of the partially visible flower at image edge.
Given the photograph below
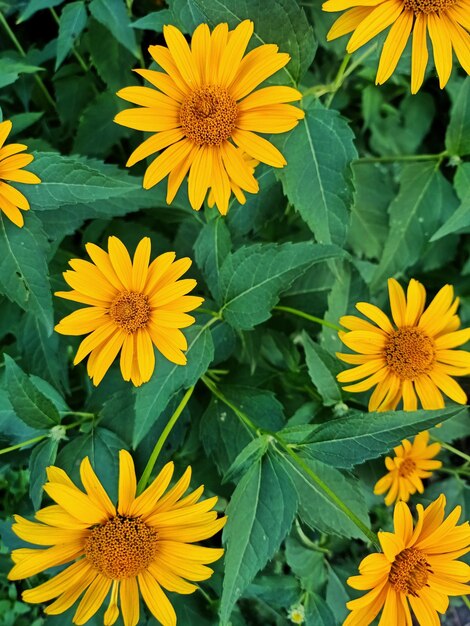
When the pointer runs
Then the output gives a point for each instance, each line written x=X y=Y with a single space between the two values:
x=12 y=162
x=203 y=105
x=410 y=359
x=138 y=547
x=133 y=305
x=418 y=569
x=446 y=21
x=413 y=461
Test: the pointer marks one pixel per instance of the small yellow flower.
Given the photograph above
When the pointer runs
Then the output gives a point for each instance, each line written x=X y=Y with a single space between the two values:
x=11 y=169
x=418 y=569
x=204 y=104
x=133 y=305
x=414 y=358
x=296 y=614
x=137 y=548
x=446 y=21
x=412 y=463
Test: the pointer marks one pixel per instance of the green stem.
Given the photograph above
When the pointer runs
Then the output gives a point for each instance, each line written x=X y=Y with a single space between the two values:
x=20 y=49
x=307 y=316
x=466 y=601
x=161 y=441
x=360 y=59
x=78 y=414
x=338 y=81
x=220 y=396
x=450 y=448
x=75 y=52
x=402 y=157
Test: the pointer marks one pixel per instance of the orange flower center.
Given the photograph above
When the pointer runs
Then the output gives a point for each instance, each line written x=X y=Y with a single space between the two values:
x=428 y=6
x=409 y=572
x=208 y=115
x=122 y=547
x=409 y=353
x=130 y=311
x=407 y=467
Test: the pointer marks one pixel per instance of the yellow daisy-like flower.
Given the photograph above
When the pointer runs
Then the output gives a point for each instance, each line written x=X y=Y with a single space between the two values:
x=418 y=569
x=134 y=305
x=412 y=463
x=412 y=358
x=446 y=21
x=203 y=104
x=138 y=547
x=11 y=169
x=237 y=192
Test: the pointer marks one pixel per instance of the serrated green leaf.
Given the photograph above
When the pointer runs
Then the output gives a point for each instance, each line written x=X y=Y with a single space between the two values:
x=116 y=19
x=459 y=221
x=322 y=368
x=34 y=6
x=317 y=612
x=12 y=429
x=250 y=455
x=307 y=563
x=319 y=152
x=100 y=114
x=11 y=69
x=29 y=403
x=154 y=21
x=458 y=131
x=43 y=455
x=72 y=22
x=260 y=515
x=212 y=247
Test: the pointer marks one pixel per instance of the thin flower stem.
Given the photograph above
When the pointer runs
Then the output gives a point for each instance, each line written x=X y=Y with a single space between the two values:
x=21 y=50
x=466 y=601
x=402 y=157
x=218 y=394
x=84 y=415
x=307 y=316
x=450 y=448
x=75 y=52
x=18 y=446
x=161 y=440
x=338 y=81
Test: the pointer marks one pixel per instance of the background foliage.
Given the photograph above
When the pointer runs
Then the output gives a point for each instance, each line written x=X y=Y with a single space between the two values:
x=377 y=185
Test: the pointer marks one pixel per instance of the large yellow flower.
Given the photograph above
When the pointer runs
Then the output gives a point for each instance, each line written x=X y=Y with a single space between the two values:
x=202 y=105
x=133 y=306
x=446 y=21
x=142 y=544
x=418 y=568
x=11 y=169
x=412 y=462
x=411 y=359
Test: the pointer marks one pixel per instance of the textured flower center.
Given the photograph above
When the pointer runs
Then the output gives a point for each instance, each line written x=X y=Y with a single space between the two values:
x=407 y=467
x=130 y=310
x=122 y=547
x=428 y=6
x=410 y=353
x=409 y=572
x=208 y=115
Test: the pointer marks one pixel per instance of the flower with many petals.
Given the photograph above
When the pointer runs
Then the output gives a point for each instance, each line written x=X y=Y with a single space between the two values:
x=204 y=104
x=141 y=546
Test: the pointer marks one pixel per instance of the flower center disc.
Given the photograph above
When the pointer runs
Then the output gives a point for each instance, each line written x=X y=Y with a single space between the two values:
x=428 y=6
x=122 y=547
x=208 y=115
x=130 y=310
x=407 y=467
x=409 y=572
x=409 y=353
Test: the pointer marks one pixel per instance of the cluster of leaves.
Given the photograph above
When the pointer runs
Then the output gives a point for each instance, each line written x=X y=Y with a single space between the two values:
x=377 y=185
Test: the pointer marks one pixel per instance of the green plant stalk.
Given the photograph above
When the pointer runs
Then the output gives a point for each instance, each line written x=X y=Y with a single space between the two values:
x=307 y=316
x=161 y=441
x=450 y=448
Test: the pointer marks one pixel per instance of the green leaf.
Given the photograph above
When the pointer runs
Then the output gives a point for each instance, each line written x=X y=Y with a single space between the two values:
x=22 y=121
x=308 y=564
x=322 y=368
x=458 y=131
x=100 y=114
x=11 y=69
x=116 y=19
x=168 y=379
x=23 y=267
x=422 y=204
x=459 y=221
x=318 y=613
x=12 y=428
x=43 y=455
x=34 y=6
x=253 y=277
x=316 y=180
x=350 y=440
x=286 y=27
x=336 y=596
x=212 y=247
x=316 y=508
x=29 y=403
x=154 y=21
x=250 y=455
x=260 y=515
x=72 y=22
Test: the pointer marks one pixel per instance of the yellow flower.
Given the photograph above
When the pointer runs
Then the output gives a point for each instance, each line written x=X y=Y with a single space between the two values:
x=11 y=169
x=418 y=568
x=413 y=461
x=237 y=192
x=203 y=104
x=446 y=21
x=411 y=359
x=145 y=543
x=133 y=306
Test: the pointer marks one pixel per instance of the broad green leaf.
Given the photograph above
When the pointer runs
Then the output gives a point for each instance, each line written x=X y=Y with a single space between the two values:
x=317 y=179
x=168 y=379
x=22 y=121
x=30 y=404
x=116 y=19
x=260 y=515
x=322 y=367
x=250 y=455
x=72 y=93
x=33 y=6
x=336 y=596
x=253 y=277
x=350 y=440
x=99 y=114
x=306 y=563
x=23 y=266
x=12 y=429
x=316 y=508
x=422 y=204
x=154 y=21
x=11 y=69
x=212 y=247
x=459 y=221
x=317 y=612
x=43 y=455
x=458 y=131
x=72 y=22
